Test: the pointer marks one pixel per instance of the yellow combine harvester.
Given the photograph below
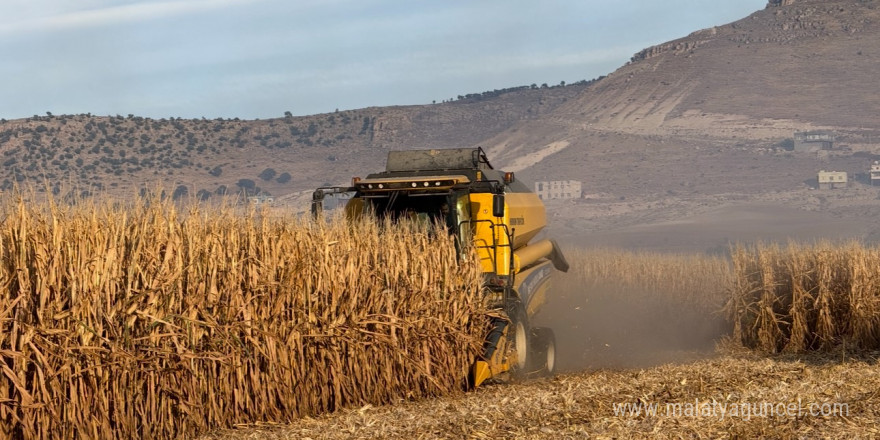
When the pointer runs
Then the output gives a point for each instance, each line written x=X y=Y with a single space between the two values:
x=459 y=188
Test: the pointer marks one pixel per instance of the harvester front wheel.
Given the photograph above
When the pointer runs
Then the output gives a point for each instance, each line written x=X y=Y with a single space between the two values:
x=519 y=342
x=544 y=351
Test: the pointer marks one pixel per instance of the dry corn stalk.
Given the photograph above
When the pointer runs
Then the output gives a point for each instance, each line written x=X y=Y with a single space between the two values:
x=143 y=321
x=806 y=296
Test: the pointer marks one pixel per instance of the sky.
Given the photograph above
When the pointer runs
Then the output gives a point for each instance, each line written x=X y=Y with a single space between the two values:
x=256 y=59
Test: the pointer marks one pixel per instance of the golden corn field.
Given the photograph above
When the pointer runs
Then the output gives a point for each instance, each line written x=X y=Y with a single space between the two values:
x=144 y=321
x=804 y=297
x=627 y=303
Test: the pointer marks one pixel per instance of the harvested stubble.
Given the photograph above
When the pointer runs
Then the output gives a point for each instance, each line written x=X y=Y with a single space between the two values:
x=582 y=405
x=147 y=322
x=805 y=297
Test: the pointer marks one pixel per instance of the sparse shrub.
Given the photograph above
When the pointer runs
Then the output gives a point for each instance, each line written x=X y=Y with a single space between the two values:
x=180 y=192
x=267 y=174
x=246 y=184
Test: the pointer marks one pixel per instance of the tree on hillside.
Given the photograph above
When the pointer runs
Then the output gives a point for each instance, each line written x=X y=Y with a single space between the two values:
x=267 y=174
x=246 y=184
x=179 y=192
x=283 y=178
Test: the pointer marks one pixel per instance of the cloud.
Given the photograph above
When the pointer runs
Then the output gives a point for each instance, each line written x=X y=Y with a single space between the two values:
x=114 y=15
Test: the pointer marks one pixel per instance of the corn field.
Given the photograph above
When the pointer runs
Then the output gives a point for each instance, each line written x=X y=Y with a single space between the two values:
x=149 y=321
x=805 y=297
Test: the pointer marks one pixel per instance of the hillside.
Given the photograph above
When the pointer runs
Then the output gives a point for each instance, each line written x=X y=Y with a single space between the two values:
x=810 y=63
x=692 y=128
x=806 y=65
x=122 y=155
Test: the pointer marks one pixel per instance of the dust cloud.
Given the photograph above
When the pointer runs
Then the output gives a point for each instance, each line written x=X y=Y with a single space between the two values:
x=600 y=327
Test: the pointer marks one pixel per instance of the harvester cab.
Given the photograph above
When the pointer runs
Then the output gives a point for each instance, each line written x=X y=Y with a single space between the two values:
x=495 y=212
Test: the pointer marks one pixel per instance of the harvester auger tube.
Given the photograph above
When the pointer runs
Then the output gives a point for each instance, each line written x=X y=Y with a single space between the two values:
x=557 y=258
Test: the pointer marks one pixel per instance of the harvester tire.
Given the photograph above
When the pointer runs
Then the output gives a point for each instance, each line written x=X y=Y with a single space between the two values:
x=518 y=335
x=543 y=351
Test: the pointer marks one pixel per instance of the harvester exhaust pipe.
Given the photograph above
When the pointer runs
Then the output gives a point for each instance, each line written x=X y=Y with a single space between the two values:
x=317 y=202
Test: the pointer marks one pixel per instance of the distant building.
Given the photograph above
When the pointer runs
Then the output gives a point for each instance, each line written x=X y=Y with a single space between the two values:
x=875 y=173
x=832 y=179
x=260 y=200
x=559 y=189
x=811 y=141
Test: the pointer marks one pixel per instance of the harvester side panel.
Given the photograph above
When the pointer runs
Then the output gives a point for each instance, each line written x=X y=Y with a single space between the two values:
x=525 y=215
x=490 y=237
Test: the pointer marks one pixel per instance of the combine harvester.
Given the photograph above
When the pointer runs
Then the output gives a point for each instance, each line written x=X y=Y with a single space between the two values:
x=459 y=188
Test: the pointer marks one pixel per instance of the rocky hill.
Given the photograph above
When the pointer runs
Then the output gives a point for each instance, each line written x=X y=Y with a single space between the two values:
x=123 y=154
x=808 y=63
x=686 y=127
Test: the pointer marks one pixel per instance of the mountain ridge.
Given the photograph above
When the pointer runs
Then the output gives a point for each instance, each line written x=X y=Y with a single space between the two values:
x=692 y=121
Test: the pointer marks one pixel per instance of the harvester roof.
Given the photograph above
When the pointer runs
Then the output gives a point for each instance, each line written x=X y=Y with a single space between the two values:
x=463 y=164
x=437 y=160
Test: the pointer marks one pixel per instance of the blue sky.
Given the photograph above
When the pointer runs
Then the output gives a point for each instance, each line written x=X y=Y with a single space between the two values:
x=261 y=58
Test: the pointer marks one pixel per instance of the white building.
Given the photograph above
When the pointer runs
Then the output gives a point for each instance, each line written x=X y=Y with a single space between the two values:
x=875 y=173
x=261 y=200
x=559 y=189
x=832 y=179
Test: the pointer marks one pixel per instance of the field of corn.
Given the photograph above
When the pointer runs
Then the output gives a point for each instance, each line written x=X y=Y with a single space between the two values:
x=147 y=321
x=144 y=321
x=647 y=304
x=802 y=297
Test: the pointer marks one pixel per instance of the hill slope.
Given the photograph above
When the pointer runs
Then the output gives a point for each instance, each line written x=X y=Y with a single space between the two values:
x=809 y=63
x=682 y=130
x=121 y=155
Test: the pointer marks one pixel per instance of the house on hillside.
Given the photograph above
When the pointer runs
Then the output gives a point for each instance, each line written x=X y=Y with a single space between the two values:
x=832 y=179
x=261 y=200
x=812 y=141
x=875 y=173
x=559 y=189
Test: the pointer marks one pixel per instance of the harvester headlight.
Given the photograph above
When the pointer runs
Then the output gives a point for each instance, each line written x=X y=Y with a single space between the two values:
x=426 y=184
x=437 y=183
x=414 y=184
x=381 y=186
x=370 y=186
